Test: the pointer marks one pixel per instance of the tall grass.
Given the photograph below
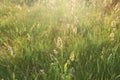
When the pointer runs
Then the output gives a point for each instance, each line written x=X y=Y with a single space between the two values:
x=58 y=40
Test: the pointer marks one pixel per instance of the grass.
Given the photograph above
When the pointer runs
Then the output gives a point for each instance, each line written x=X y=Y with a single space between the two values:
x=59 y=40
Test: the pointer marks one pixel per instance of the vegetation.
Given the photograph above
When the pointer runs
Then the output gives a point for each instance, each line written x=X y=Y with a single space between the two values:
x=59 y=40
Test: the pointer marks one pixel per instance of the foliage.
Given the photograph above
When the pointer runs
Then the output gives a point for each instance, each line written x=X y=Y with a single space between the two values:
x=58 y=40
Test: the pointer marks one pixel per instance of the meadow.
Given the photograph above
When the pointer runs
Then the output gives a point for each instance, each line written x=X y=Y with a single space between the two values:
x=59 y=40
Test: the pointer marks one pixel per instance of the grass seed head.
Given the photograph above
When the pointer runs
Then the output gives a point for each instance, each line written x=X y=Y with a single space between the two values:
x=113 y=24
x=55 y=51
x=112 y=36
x=10 y=49
x=72 y=56
x=59 y=43
x=28 y=37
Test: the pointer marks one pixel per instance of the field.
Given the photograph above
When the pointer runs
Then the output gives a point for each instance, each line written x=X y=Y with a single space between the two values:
x=59 y=40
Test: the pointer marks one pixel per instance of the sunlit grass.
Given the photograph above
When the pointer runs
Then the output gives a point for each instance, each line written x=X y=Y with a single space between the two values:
x=58 y=40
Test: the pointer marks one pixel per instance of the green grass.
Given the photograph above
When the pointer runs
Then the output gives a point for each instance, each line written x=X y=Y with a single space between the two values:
x=47 y=41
